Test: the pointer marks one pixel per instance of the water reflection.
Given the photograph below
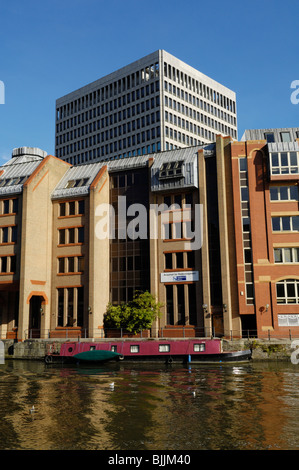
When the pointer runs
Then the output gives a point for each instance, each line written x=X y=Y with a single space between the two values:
x=252 y=406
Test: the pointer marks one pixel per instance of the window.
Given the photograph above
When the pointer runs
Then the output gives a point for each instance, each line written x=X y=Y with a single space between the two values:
x=77 y=183
x=171 y=170
x=288 y=320
x=181 y=304
x=168 y=260
x=164 y=347
x=246 y=224
x=199 y=347
x=61 y=265
x=70 y=306
x=247 y=255
x=175 y=230
x=71 y=264
x=285 y=137
x=81 y=205
x=8 y=264
x=61 y=236
x=4 y=264
x=12 y=181
x=249 y=291
x=13 y=264
x=62 y=209
x=287 y=291
x=180 y=260
x=185 y=306
x=190 y=259
x=9 y=206
x=72 y=235
x=169 y=305
x=284 y=193
x=15 y=205
x=286 y=255
x=9 y=234
x=178 y=230
x=243 y=164
x=71 y=208
x=5 y=235
x=134 y=349
x=269 y=136
x=244 y=194
x=285 y=224
x=284 y=163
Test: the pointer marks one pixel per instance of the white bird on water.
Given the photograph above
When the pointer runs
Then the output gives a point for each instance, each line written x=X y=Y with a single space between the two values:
x=111 y=386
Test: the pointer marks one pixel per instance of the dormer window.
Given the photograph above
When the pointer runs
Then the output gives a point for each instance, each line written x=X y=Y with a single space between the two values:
x=12 y=181
x=269 y=136
x=171 y=170
x=77 y=183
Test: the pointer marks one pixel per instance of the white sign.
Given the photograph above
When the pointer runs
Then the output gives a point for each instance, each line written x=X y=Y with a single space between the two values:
x=179 y=276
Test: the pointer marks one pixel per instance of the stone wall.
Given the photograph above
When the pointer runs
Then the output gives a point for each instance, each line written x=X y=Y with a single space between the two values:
x=34 y=349
x=263 y=350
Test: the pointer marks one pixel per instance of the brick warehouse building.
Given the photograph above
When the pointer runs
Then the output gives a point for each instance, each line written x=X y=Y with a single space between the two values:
x=57 y=274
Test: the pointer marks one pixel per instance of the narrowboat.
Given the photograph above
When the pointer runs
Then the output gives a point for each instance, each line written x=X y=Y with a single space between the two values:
x=148 y=350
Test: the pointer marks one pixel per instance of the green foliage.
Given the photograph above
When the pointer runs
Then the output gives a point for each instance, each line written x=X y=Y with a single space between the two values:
x=136 y=315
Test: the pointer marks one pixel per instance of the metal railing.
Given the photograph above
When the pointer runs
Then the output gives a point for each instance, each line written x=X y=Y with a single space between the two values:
x=165 y=332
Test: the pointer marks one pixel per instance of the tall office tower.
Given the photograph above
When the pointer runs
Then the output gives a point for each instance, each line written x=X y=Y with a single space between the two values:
x=156 y=103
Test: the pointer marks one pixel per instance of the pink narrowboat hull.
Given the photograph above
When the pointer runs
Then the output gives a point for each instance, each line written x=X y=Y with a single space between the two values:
x=151 y=350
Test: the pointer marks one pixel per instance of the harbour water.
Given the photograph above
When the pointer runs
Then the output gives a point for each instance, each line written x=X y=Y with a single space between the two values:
x=149 y=407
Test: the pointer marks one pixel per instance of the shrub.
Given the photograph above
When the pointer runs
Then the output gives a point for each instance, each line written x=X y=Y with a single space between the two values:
x=138 y=314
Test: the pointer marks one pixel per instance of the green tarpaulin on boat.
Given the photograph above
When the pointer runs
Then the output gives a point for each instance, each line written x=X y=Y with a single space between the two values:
x=96 y=355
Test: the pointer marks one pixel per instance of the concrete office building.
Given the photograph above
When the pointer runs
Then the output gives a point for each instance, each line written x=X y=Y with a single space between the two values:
x=154 y=104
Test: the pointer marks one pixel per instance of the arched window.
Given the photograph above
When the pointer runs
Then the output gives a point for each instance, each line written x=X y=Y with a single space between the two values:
x=287 y=291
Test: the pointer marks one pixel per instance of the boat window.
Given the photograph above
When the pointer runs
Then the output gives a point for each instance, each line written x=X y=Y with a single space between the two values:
x=92 y=348
x=199 y=347
x=134 y=348
x=113 y=348
x=164 y=347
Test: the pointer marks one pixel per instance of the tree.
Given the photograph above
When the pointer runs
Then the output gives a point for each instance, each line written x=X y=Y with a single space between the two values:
x=138 y=314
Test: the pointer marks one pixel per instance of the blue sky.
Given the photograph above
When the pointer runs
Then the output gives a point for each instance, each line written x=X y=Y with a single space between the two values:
x=52 y=47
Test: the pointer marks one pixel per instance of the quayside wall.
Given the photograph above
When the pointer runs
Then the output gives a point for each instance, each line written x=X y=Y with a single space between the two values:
x=262 y=350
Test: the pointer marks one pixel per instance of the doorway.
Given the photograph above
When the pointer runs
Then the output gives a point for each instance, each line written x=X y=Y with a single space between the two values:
x=35 y=312
x=218 y=327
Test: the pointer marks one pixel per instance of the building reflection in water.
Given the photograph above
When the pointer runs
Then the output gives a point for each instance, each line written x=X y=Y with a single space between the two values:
x=159 y=408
